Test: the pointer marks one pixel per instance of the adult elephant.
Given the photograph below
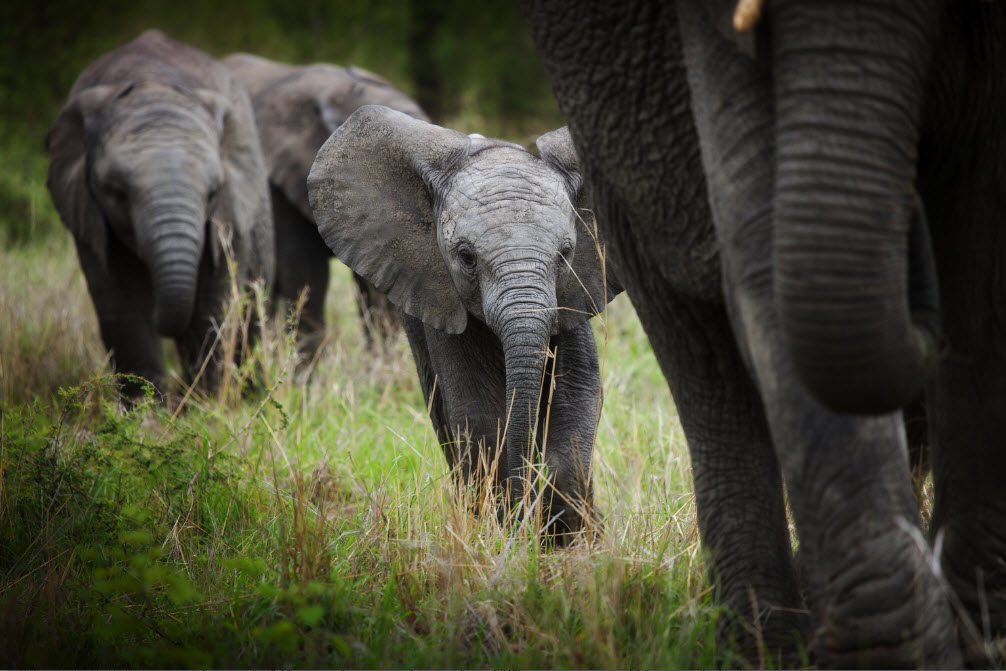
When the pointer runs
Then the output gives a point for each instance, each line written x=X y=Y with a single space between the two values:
x=837 y=138
x=156 y=170
x=296 y=109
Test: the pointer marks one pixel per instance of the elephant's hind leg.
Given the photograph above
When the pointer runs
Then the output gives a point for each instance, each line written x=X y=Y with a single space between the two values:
x=380 y=323
x=302 y=263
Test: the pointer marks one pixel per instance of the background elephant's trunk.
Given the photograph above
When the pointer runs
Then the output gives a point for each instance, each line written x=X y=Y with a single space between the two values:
x=172 y=221
x=849 y=87
x=523 y=325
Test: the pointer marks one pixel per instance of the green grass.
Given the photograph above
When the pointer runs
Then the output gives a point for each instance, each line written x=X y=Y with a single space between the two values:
x=315 y=524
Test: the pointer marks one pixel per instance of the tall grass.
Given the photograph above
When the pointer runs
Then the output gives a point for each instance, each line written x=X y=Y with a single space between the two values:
x=315 y=523
x=48 y=330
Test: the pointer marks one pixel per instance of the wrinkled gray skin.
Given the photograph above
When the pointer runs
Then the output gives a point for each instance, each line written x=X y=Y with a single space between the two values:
x=476 y=241
x=153 y=159
x=836 y=139
x=296 y=109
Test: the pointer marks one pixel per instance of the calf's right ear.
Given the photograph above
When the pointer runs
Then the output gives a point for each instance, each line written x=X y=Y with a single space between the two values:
x=592 y=284
x=372 y=190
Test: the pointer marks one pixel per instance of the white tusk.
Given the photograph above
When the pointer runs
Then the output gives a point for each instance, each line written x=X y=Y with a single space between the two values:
x=746 y=15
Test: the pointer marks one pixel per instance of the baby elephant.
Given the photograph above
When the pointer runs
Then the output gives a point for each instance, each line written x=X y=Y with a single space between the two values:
x=296 y=109
x=155 y=167
x=481 y=245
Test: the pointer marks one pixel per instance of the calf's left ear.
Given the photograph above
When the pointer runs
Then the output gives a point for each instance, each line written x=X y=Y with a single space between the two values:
x=243 y=202
x=591 y=284
x=66 y=143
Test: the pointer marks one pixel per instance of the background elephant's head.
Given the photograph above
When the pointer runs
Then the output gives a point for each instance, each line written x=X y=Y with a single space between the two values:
x=454 y=227
x=298 y=107
x=148 y=166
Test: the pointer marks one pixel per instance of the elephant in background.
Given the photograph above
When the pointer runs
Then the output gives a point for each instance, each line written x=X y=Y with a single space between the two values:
x=479 y=244
x=296 y=109
x=806 y=217
x=155 y=168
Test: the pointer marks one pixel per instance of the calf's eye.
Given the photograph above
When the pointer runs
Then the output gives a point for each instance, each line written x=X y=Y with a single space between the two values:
x=117 y=194
x=466 y=257
x=565 y=255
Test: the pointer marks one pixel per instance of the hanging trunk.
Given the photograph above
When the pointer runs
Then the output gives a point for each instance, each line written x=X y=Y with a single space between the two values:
x=523 y=327
x=849 y=84
x=171 y=230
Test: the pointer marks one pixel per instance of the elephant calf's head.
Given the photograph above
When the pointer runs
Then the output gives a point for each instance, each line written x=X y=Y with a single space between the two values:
x=142 y=161
x=454 y=227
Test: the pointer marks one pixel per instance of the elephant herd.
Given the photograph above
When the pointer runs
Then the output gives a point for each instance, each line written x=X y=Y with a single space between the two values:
x=801 y=199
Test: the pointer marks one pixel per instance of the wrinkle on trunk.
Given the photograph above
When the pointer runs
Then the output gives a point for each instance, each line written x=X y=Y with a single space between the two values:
x=849 y=87
x=171 y=231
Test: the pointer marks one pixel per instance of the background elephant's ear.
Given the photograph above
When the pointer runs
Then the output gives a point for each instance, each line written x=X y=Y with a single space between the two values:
x=66 y=144
x=332 y=116
x=372 y=189
x=217 y=104
x=585 y=291
x=291 y=114
x=243 y=201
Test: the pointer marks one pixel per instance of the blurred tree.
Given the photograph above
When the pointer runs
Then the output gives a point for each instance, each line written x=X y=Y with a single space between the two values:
x=427 y=19
x=458 y=59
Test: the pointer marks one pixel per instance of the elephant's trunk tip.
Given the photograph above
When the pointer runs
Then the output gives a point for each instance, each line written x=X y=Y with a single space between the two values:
x=172 y=317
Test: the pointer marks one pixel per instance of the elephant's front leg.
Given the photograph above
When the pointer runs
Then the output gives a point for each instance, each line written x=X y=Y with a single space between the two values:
x=302 y=262
x=568 y=422
x=738 y=488
x=123 y=301
x=470 y=381
x=203 y=347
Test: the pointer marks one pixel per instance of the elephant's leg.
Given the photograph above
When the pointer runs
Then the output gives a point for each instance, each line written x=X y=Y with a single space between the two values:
x=738 y=488
x=415 y=332
x=123 y=300
x=570 y=411
x=471 y=379
x=870 y=580
x=968 y=418
x=302 y=262
x=201 y=348
x=871 y=583
x=961 y=182
x=376 y=312
x=467 y=385
x=967 y=406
